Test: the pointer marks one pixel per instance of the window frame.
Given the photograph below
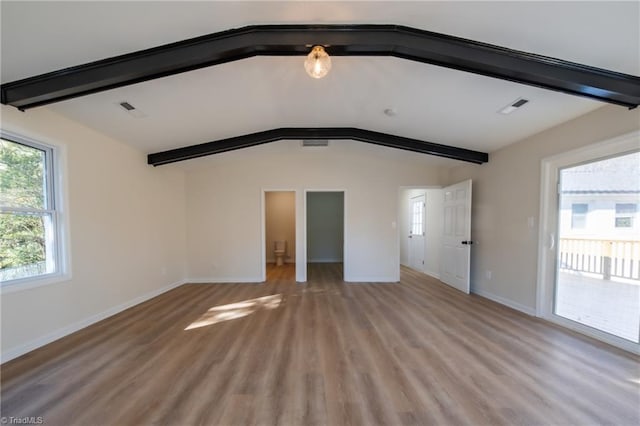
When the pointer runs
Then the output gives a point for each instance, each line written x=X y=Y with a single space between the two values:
x=54 y=207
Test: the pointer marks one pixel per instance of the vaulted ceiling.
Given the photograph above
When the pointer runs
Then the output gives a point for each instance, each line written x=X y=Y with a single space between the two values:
x=261 y=93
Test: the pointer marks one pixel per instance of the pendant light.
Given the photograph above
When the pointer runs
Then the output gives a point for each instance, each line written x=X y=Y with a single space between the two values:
x=318 y=62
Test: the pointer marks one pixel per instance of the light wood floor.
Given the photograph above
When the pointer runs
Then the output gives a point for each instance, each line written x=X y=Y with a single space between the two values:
x=414 y=353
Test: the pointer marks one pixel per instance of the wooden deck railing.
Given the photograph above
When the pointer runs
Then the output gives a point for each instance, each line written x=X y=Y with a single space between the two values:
x=610 y=258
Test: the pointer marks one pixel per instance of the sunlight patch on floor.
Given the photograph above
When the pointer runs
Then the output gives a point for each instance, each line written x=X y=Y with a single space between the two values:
x=233 y=311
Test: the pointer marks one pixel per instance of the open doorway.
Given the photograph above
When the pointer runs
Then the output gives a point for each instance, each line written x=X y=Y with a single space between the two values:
x=325 y=231
x=279 y=234
x=420 y=222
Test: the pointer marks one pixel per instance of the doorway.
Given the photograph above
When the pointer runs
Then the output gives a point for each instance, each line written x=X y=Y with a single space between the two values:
x=279 y=233
x=414 y=247
x=597 y=277
x=589 y=278
x=325 y=213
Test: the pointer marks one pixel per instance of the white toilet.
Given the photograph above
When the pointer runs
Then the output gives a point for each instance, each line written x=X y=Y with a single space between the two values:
x=279 y=251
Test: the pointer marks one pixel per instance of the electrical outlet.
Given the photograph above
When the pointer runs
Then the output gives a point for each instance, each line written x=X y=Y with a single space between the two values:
x=488 y=275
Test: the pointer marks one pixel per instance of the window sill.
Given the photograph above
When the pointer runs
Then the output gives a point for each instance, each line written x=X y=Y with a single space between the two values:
x=21 y=284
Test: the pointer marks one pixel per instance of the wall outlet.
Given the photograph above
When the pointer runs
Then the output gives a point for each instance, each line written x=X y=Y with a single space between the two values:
x=488 y=275
x=163 y=271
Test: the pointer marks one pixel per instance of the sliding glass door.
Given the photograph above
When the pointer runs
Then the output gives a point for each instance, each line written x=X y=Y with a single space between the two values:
x=589 y=242
x=598 y=257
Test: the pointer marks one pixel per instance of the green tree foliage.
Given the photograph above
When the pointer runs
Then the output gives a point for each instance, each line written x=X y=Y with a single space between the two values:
x=21 y=185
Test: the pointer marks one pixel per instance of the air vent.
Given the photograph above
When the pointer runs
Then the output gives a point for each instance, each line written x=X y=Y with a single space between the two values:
x=127 y=106
x=513 y=106
x=132 y=110
x=315 y=142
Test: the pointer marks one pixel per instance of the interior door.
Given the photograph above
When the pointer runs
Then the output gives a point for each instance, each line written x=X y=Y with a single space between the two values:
x=456 y=253
x=416 y=232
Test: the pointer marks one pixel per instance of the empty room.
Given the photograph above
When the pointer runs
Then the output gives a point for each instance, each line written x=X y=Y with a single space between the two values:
x=320 y=213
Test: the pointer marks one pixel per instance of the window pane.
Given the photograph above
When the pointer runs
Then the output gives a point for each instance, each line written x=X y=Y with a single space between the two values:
x=624 y=222
x=579 y=215
x=26 y=247
x=597 y=276
x=579 y=208
x=22 y=174
x=416 y=218
x=626 y=208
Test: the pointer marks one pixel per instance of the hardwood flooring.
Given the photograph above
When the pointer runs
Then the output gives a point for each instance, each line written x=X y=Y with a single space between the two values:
x=323 y=353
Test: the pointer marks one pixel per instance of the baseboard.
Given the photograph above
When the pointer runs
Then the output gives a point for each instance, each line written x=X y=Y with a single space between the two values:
x=433 y=274
x=366 y=280
x=325 y=260
x=20 y=350
x=507 y=302
x=228 y=280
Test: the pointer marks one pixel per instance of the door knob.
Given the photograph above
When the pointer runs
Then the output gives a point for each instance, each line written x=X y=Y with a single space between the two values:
x=467 y=243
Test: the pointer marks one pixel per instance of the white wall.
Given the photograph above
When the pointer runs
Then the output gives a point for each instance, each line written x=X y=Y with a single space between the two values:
x=433 y=227
x=127 y=233
x=224 y=191
x=280 y=223
x=506 y=192
x=325 y=227
x=600 y=220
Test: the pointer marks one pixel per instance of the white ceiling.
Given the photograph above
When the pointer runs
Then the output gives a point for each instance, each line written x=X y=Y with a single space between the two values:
x=432 y=103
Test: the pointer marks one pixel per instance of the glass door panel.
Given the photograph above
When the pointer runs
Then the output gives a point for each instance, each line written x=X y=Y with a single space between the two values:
x=598 y=264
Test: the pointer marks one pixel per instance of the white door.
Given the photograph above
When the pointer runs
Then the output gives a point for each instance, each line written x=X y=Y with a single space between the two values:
x=456 y=253
x=416 y=232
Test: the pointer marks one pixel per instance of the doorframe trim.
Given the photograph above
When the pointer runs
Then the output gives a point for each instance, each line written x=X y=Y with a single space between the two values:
x=548 y=229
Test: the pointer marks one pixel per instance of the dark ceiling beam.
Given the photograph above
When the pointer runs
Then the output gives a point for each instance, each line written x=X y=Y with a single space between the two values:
x=330 y=133
x=354 y=40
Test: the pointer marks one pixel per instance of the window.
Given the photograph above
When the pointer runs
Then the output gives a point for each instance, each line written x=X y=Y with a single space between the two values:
x=624 y=215
x=417 y=216
x=29 y=234
x=579 y=215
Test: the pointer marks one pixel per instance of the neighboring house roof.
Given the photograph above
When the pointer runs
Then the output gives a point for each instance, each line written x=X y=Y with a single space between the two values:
x=619 y=175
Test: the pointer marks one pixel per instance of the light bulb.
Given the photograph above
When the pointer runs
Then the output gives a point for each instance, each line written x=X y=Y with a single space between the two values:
x=318 y=62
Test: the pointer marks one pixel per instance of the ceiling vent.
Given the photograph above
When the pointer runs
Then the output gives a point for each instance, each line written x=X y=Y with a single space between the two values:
x=132 y=110
x=315 y=142
x=513 y=106
x=127 y=106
